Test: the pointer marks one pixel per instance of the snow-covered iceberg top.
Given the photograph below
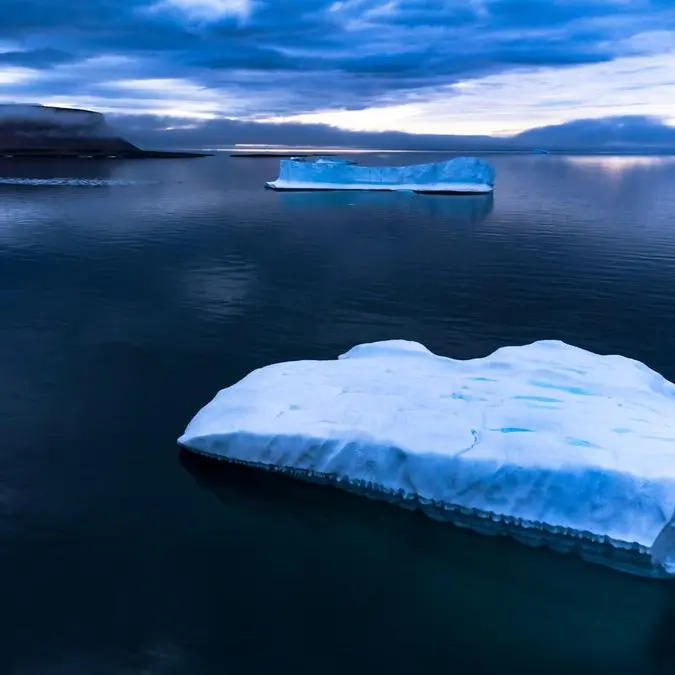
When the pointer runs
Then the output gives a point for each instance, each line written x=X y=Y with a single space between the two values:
x=459 y=175
x=547 y=442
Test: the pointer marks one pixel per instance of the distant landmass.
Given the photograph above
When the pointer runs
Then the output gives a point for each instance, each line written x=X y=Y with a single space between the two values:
x=623 y=135
x=46 y=131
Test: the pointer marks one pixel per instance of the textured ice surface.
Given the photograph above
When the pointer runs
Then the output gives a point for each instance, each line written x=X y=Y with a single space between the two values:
x=462 y=174
x=545 y=441
x=73 y=182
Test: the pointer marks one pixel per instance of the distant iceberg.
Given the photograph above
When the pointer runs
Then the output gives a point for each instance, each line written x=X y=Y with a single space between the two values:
x=462 y=175
x=548 y=443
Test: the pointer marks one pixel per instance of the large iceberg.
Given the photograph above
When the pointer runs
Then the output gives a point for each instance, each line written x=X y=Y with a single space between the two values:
x=546 y=442
x=461 y=175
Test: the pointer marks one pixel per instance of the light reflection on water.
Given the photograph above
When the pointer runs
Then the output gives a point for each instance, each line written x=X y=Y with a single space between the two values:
x=615 y=163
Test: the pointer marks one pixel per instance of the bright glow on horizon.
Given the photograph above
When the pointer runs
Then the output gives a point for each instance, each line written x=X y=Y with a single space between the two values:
x=635 y=85
x=144 y=106
x=188 y=100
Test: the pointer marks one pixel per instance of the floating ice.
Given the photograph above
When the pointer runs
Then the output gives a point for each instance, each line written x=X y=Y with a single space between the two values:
x=546 y=442
x=73 y=182
x=455 y=176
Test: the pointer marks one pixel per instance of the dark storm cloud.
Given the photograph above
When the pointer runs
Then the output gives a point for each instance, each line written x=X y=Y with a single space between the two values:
x=36 y=58
x=250 y=57
x=352 y=53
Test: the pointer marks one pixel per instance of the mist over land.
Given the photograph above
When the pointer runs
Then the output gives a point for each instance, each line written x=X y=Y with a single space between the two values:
x=615 y=134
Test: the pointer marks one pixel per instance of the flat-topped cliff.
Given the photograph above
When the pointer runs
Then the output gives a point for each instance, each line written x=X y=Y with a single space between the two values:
x=45 y=131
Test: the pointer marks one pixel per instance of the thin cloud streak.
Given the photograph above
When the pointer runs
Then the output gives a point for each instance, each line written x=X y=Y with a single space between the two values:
x=205 y=10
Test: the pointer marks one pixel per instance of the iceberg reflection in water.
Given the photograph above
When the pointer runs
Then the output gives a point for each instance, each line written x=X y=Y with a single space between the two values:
x=461 y=208
x=370 y=577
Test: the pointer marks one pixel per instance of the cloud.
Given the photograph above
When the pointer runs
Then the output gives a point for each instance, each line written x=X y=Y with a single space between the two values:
x=12 y=75
x=510 y=102
x=36 y=58
x=206 y=10
x=445 y=66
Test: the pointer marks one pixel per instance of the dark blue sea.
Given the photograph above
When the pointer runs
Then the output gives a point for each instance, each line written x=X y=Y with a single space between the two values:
x=133 y=292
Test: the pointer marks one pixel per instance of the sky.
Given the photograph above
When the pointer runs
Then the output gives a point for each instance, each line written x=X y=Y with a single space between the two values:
x=424 y=67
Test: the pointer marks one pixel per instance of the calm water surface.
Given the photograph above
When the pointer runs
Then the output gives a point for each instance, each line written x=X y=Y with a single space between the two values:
x=125 y=305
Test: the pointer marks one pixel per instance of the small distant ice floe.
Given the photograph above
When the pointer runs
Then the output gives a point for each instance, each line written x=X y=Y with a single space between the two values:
x=461 y=175
x=72 y=182
x=547 y=443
